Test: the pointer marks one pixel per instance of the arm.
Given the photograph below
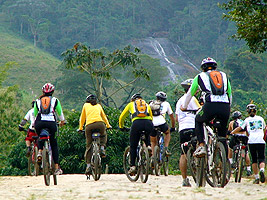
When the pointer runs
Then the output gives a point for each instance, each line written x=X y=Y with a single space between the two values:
x=236 y=130
x=123 y=115
x=104 y=117
x=172 y=120
x=82 y=118
x=229 y=91
x=60 y=111
x=191 y=92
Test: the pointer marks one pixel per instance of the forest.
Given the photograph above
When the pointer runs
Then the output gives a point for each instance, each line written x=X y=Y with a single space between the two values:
x=38 y=38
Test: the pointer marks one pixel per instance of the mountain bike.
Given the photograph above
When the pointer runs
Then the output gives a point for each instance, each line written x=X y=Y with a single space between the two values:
x=159 y=158
x=33 y=167
x=142 y=161
x=239 y=156
x=48 y=164
x=213 y=167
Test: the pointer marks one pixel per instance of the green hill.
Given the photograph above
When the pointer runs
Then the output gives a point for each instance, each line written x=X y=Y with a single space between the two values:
x=34 y=66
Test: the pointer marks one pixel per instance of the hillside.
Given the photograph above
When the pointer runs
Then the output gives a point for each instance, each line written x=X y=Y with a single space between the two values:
x=34 y=66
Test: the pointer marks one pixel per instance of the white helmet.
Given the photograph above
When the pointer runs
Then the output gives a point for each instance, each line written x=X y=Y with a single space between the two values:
x=208 y=63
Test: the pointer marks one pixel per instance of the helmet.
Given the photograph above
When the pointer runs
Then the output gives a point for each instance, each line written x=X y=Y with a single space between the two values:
x=187 y=83
x=48 y=88
x=33 y=102
x=136 y=96
x=236 y=114
x=91 y=99
x=162 y=96
x=208 y=63
x=251 y=108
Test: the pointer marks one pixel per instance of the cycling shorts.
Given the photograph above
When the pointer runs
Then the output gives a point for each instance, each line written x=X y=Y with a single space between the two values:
x=257 y=152
x=30 y=133
x=163 y=128
x=185 y=136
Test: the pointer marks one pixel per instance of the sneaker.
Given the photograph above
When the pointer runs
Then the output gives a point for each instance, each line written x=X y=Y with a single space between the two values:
x=132 y=170
x=28 y=151
x=39 y=158
x=262 y=177
x=200 y=151
x=249 y=172
x=58 y=172
x=186 y=183
x=88 y=170
x=102 y=152
x=256 y=181
x=233 y=165
x=167 y=153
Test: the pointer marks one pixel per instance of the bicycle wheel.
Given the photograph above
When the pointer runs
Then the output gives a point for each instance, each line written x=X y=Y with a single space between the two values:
x=240 y=164
x=53 y=171
x=126 y=166
x=30 y=165
x=216 y=172
x=228 y=172
x=36 y=165
x=192 y=162
x=165 y=165
x=46 y=167
x=200 y=171
x=156 y=160
x=95 y=163
x=144 y=164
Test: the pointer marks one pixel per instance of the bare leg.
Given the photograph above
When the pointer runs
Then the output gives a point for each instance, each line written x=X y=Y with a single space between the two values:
x=183 y=165
x=153 y=141
x=167 y=138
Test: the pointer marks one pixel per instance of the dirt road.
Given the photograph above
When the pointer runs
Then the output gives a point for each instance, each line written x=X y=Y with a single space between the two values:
x=117 y=186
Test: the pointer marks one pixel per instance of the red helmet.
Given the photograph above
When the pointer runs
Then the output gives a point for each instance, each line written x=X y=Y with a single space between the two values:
x=48 y=88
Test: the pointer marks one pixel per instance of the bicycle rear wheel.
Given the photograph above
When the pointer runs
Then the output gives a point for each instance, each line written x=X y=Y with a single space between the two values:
x=200 y=171
x=144 y=164
x=30 y=165
x=240 y=166
x=156 y=160
x=96 y=163
x=165 y=164
x=46 y=167
x=216 y=172
x=192 y=162
x=36 y=165
x=127 y=164
x=53 y=171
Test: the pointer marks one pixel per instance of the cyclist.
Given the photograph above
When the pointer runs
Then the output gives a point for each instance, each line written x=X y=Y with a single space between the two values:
x=255 y=126
x=186 y=122
x=44 y=111
x=138 y=124
x=31 y=132
x=94 y=117
x=237 y=121
x=161 y=108
x=217 y=98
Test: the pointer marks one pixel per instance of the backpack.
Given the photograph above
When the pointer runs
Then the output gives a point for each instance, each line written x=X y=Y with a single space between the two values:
x=140 y=108
x=155 y=107
x=216 y=82
x=45 y=104
x=235 y=124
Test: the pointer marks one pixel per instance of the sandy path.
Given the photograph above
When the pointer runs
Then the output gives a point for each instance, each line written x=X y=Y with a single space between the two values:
x=117 y=186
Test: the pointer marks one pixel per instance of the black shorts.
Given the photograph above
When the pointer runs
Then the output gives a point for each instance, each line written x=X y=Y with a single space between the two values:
x=163 y=128
x=185 y=136
x=257 y=152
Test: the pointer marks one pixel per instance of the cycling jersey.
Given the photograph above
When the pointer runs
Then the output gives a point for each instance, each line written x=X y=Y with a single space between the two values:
x=186 y=119
x=55 y=106
x=165 y=107
x=129 y=109
x=255 y=128
x=92 y=113
x=30 y=116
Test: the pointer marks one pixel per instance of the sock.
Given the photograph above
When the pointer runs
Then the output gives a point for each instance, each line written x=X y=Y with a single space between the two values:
x=102 y=147
x=88 y=165
x=248 y=168
x=231 y=160
x=261 y=169
x=257 y=176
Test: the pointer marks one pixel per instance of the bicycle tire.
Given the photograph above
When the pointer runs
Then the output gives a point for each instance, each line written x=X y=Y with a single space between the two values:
x=36 y=165
x=200 y=172
x=216 y=177
x=241 y=165
x=191 y=162
x=53 y=171
x=156 y=160
x=126 y=166
x=165 y=165
x=228 y=172
x=95 y=162
x=46 y=167
x=30 y=165
x=144 y=164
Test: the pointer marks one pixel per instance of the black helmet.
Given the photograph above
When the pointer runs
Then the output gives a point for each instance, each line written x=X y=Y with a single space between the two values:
x=187 y=84
x=33 y=102
x=251 y=108
x=236 y=114
x=162 y=96
x=136 y=96
x=91 y=99
x=208 y=63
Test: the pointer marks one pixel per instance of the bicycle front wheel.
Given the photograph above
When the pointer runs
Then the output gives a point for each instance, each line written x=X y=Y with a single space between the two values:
x=127 y=164
x=46 y=167
x=216 y=172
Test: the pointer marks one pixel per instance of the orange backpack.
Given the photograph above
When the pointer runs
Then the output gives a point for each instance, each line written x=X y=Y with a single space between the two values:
x=216 y=82
x=140 y=108
x=45 y=105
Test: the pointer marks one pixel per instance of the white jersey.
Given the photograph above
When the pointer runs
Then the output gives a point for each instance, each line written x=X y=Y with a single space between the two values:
x=30 y=117
x=186 y=119
x=255 y=128
x=165 y=107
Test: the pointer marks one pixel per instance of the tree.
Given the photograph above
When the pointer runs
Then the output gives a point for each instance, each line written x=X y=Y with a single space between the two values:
x=101 y=65
x=250 y=17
